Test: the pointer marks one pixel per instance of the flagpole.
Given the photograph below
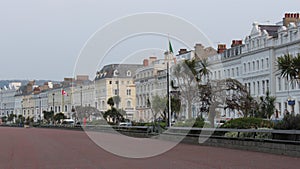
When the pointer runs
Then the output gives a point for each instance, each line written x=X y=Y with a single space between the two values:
x=169 y=98
x=63 y=100
x=168 y=83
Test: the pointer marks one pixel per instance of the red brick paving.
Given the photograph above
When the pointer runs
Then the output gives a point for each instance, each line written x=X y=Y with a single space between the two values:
x=63 y=149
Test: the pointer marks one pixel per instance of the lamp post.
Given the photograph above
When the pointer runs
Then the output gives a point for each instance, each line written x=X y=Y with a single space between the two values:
x=81 y=96
x=23 y=114
x=169 y=98
x=53 y=102
x=5 y=110
x=40 y=109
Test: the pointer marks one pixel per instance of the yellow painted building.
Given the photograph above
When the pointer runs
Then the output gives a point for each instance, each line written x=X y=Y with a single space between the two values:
x=117 y=80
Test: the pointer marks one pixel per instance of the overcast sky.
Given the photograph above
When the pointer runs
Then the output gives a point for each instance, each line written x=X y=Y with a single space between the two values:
x=41 y=39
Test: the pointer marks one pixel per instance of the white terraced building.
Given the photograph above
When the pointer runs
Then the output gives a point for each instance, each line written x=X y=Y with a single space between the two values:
x=7 y=99
x=150 y=80
x=254 y=62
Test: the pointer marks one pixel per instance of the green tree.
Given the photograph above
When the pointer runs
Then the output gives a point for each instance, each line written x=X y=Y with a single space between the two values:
x=114 y=114
x=111 y=102
x=58 y=117
x=175 y=105
x=158 y=106
x=11 y=117
x=28 y=120
x=21 y=119
x=48 y=116
x=267 y=106
x=4 y=119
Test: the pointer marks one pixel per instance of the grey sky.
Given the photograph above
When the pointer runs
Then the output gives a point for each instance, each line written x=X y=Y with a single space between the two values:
x=41 y=39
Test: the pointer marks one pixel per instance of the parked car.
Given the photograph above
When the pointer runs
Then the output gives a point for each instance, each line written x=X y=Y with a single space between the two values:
x=68 y=122
x=126 y=122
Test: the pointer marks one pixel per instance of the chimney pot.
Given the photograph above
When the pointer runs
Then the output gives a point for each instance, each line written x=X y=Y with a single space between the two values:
x=145 y=62
x=182 y=51
x=221 y=48
x=236 y=43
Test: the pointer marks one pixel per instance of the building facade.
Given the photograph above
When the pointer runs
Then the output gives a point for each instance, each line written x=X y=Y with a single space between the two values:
x=254 y=62
x=7 y=99
x=117 y=80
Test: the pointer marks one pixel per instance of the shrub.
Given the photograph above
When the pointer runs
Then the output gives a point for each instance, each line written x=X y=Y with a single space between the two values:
x=289 y=122
x=98 y=122
x=247 y=123
x=249 y=134
x=141 y=124
x=197 y=123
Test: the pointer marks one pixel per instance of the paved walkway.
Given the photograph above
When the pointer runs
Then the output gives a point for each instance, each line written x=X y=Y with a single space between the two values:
x=63 y=149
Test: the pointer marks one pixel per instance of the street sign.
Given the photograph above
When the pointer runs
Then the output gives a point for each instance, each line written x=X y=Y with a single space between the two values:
x=291 y=102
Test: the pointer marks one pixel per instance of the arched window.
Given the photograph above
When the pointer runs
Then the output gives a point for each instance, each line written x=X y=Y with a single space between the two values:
x=103 y=104
x=129 y=104
x=116 y=73
x=128 y=73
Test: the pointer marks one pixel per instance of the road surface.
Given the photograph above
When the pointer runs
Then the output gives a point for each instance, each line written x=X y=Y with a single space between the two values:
x=35 y=148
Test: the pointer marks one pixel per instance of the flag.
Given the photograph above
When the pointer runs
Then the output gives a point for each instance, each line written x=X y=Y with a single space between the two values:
x=63 y=92
x=171 y=51
x=170 y=47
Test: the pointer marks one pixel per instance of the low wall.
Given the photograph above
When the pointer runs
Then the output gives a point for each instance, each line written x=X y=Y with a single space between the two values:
x=282 y=147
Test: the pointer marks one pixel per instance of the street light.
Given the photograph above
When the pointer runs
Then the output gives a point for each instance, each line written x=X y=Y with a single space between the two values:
x=81 y=96
x=40 y=109
x=169 y=98
x=5 y=109
x=53 y=102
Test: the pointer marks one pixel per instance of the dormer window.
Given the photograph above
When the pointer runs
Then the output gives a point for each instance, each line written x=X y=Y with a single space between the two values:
x=128 y=73
x=116 y=73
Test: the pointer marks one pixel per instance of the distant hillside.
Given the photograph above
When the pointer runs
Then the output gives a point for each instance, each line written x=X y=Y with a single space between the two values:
x=24 y=82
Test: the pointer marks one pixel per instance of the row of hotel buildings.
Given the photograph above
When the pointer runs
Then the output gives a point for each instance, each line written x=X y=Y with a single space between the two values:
x=251 y=61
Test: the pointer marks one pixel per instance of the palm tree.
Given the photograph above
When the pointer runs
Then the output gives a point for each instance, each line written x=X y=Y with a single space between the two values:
x=289 y=66
x=190 y=68
x=296 y=62
x=204 y=71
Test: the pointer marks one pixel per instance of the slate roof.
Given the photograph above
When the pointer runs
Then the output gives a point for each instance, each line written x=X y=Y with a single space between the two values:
x=121 y=71
x=271 y=29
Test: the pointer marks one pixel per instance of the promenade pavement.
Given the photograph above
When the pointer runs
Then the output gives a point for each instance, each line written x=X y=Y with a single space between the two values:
x=35 y=148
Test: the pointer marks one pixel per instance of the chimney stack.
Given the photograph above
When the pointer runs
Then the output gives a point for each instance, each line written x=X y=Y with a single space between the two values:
x=291 y=17
x=152 y=59
x=221 y=48
x=236 y=43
